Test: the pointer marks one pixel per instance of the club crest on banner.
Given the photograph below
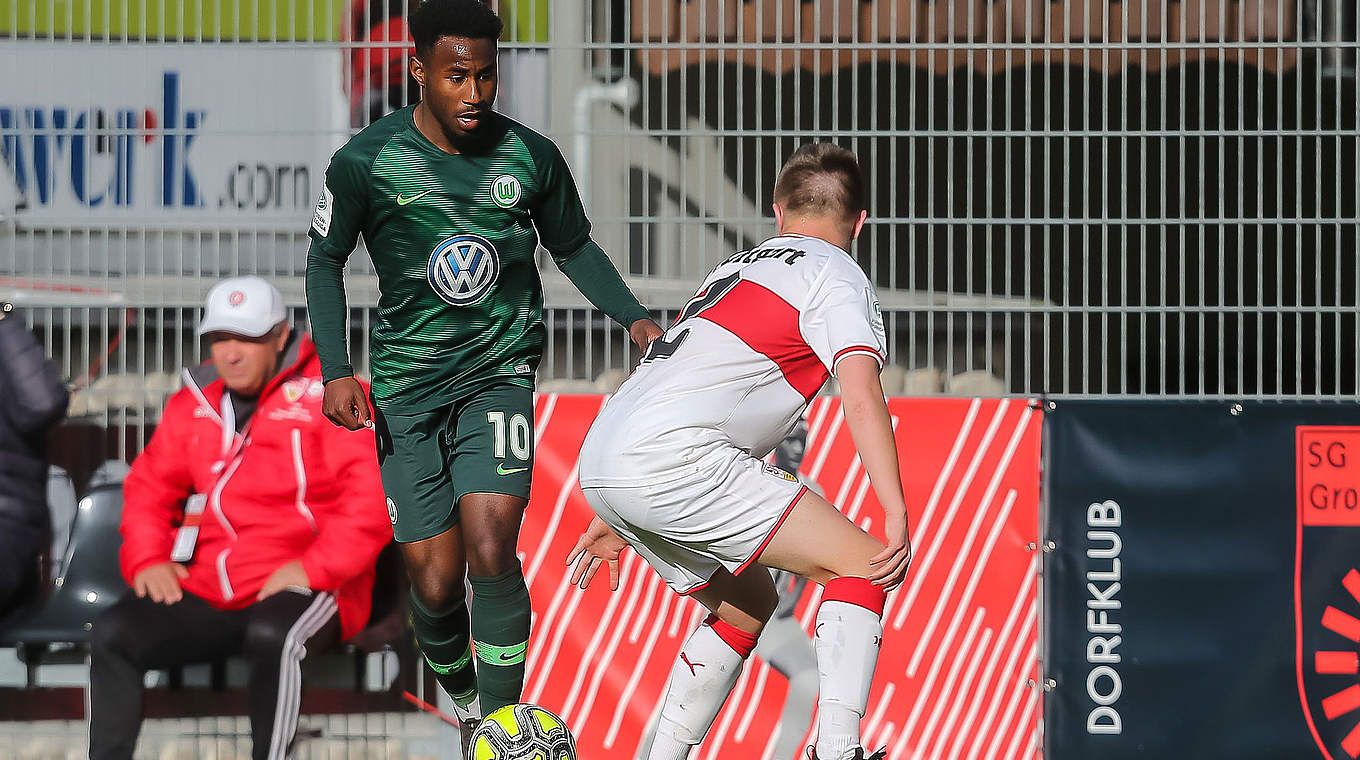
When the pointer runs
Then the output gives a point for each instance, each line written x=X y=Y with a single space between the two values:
x=1327 y=586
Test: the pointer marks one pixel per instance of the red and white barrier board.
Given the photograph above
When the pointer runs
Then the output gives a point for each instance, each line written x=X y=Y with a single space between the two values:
x=960 y=651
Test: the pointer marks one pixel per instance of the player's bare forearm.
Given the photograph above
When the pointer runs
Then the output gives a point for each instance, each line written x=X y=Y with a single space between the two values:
x=866 y=414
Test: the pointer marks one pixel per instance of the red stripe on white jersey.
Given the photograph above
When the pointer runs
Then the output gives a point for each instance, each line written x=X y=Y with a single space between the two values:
x=870 y=350
x=769 y=325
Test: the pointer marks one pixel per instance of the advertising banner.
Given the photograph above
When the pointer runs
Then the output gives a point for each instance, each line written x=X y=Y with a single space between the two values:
x=1203 y=597
x=315 y=20
x=960 y=653
x=165 y=136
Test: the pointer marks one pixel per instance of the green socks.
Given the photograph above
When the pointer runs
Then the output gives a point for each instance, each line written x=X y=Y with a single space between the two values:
x=500 y=628
x=444 y=640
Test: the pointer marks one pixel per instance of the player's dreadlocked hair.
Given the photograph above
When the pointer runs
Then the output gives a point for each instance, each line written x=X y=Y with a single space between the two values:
x=821 y=179
x=452 y=18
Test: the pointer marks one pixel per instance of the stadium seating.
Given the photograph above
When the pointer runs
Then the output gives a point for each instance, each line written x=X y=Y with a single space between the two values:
x=609 y=380
x=55 y=627
x=566 y=385
x=63 y=506
x=978 y=383
x=160 y=386
x=891 y=378
x=131 y=391
x=981 y=28
x=82 y=404
x=925 y=381
x=1267 y=20
x=388 y=627
x=896 y=380
x=87 y=581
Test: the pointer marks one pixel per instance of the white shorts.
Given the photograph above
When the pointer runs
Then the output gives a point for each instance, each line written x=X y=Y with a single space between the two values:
x=721 y=514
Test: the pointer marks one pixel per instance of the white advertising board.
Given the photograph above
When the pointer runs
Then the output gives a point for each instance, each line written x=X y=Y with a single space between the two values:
x=168 y=136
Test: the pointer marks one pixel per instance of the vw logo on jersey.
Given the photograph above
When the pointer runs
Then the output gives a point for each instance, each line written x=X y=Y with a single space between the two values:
x=463 y=269
x=506 y=191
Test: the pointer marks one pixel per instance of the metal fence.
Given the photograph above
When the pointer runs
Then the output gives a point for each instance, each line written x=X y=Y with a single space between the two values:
x=1073 y=198
x=1070 y=197
x=1077 y=198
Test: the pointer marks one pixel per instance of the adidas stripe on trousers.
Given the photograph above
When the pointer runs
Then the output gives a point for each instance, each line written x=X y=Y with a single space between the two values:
x=136 y=635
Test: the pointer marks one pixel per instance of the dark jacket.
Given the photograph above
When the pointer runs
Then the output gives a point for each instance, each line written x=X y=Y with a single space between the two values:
x=32 y=400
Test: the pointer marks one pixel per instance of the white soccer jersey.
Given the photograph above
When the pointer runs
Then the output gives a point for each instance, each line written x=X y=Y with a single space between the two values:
x=740 y=364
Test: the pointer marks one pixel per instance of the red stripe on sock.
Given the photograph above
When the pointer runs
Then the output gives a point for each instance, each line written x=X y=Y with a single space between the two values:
x=742 y=643
x=858 y=591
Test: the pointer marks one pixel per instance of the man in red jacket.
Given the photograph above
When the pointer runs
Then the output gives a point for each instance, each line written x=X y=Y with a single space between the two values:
x=251 y=526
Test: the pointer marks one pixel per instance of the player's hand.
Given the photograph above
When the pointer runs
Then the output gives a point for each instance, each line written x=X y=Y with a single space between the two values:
x=890 y=565
x=643 y=332
x=346 y=404
x=161 y=582
x=599 y=544
x=290 y=574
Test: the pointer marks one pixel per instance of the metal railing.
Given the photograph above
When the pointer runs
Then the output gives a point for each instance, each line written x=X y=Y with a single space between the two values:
x=1072 y=198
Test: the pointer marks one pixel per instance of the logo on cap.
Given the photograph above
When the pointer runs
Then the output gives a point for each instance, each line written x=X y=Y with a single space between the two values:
x=236 y=298
x=463 y=269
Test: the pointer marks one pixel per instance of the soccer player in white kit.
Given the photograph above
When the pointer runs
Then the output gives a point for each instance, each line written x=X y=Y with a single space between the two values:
x=672 y=465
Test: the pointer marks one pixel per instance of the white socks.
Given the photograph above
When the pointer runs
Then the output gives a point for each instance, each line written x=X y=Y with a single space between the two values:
x=849 y=632
x=701 y=680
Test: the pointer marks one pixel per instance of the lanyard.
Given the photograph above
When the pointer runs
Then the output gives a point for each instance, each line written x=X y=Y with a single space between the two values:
x=182 y=549
x=232 y=442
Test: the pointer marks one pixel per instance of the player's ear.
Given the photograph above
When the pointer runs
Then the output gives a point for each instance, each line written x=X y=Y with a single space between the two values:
x=417 y=70
x=859 y=224
x=778 y=216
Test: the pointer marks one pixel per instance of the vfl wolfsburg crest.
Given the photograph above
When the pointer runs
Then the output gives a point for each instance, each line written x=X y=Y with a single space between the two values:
x=1327 y=586
x=463 y=269
x=506 y=191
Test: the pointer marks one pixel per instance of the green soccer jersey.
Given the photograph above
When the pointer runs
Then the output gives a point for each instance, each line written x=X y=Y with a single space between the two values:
x=452 y=237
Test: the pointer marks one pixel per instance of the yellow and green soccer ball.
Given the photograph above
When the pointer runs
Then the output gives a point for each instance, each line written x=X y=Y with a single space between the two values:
x=522 y=732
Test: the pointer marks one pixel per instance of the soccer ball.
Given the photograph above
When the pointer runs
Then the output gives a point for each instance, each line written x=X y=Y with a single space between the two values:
x=522 y=732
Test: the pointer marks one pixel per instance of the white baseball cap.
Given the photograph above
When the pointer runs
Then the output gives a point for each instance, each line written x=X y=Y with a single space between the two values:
x=248 y=306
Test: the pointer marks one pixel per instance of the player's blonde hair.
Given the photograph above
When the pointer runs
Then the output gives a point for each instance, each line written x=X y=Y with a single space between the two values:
x=821 y=179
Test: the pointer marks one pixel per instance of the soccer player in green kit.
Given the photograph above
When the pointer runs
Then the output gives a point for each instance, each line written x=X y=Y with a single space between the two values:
x=452 y=199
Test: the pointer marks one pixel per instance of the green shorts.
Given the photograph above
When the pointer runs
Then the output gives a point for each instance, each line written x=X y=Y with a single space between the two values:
x=429 y=461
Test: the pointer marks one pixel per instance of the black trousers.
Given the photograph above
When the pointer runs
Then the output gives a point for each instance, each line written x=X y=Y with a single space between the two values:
x=136 y=635
x=20 y=547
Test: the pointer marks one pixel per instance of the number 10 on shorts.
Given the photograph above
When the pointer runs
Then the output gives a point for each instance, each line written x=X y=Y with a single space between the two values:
x=518 y=434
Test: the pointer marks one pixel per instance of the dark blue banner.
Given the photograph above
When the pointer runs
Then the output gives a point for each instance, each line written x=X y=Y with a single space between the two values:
x=1203 y=593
